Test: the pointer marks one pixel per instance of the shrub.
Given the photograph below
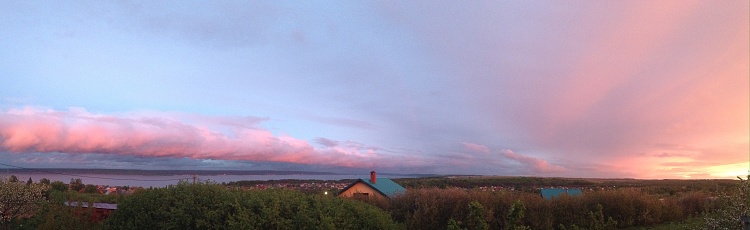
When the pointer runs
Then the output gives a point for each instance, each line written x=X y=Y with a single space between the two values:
x=58 y=186
x=19 y=199
x=211 y=206
x=732 y=205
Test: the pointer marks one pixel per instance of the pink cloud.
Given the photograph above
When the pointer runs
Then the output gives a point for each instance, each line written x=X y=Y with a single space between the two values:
x=476 y=147
x=76 y=131
x=535 y=165
x=618 y=78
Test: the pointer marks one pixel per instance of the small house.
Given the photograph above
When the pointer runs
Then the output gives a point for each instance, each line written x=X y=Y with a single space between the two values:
x=100 y=210
x=549 y=193
x=373 y=187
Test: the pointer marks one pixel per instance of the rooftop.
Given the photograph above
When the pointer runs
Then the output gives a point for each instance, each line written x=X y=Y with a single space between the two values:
x=95 y=205
x=385 y=186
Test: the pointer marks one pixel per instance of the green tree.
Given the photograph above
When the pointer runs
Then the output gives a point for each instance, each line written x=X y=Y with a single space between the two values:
x=56 y=215
x=454 y=225
x=477 y=218
x=76 y=184
x=13 y=178
x=17 y=198
x=597 y=221
x=59 y=186
x=90 y=188
x=733 y=205
x=44 y=181
x=184 y=206
x=515 y=216
x=211 y=206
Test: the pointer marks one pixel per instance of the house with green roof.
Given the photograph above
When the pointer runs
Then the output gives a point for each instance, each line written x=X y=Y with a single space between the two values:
x=373 y=187
x=549 y=193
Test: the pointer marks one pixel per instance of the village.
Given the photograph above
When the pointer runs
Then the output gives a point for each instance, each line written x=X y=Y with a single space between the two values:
x=333 y=187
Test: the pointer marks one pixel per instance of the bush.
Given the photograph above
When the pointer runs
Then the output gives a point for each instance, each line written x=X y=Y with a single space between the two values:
x=56 y=215
x=18 y=200
x=90 y=188
x=211 y=206
x=435 y=208
x=58 y=186
x=732 y=205
x=76 y=184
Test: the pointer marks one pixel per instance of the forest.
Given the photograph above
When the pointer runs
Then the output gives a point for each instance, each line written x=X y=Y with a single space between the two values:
x=428 y=203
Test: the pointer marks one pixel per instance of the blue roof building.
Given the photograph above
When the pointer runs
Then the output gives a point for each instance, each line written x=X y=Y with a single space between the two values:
x=549 y=193
x=372 y=187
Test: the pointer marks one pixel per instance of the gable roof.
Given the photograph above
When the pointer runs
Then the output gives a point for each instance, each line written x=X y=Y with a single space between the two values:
x=549 y=193
x=384 y=186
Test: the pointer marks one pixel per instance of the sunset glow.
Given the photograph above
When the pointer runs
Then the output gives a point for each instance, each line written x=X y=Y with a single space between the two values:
x=636 y=89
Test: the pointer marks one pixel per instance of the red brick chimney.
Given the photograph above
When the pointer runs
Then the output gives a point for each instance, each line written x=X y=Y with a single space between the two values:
x=373 y=177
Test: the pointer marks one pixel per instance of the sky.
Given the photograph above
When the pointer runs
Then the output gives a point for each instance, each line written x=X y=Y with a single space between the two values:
x=606 y=89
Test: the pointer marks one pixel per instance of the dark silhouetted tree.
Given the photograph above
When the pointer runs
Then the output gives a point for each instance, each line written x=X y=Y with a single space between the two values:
x=59 y=186
x=90 y=188
x=76 y=184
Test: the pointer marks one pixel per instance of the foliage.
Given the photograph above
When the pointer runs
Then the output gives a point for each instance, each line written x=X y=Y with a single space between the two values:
x=211 y=206
x=477 y=218
x=76 y=184
x=90 y=188
x=283 y=181
x=686 y=224
x=18 y=199
x=597 y=222
x=58 y=186
x=430 y=208
x=453 y=225
x=476 y=182
x=89 y=197
x=531 y=184
x=56 y=215
x=733 y=205
x=605 y=204
x=175 y=207
x=515 y=215
x=605 y=209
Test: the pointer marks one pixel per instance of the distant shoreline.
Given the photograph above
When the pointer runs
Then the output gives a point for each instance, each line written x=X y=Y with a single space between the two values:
x=152 y=172
x=162 y=178
x=158 y=172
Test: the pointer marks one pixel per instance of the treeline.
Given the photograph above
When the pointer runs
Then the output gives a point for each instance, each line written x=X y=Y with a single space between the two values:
x=206 y=206
x=483 y=181
x=213 y=206
x=434 y=208
x=531 y=184
x=283 y=181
